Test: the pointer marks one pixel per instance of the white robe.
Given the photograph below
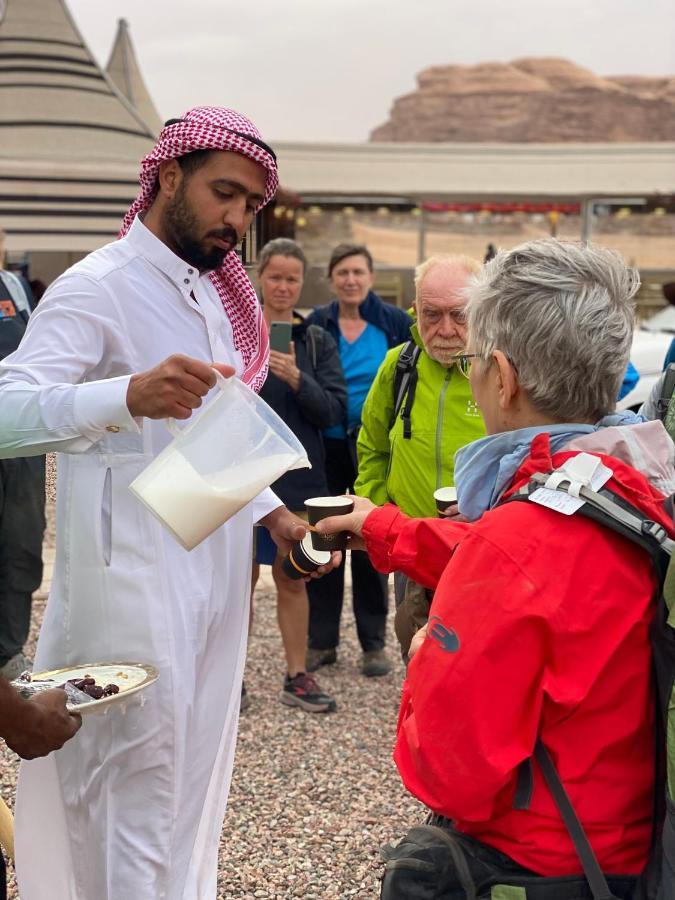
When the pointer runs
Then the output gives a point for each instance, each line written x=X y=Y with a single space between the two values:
x=132 y=807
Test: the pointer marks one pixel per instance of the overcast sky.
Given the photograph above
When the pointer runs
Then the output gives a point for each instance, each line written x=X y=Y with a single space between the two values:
x=330 y=69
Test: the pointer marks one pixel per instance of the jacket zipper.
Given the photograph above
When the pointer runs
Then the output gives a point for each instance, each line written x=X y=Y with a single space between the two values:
x=439 y=428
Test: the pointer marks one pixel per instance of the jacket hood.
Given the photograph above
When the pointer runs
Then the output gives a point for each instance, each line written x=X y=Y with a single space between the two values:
x=627 y=480
x=646 y=447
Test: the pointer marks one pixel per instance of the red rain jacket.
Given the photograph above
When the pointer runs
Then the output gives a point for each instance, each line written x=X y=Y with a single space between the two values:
x=545 y=629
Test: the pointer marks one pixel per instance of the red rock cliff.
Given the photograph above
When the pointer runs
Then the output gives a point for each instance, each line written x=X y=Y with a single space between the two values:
x=532 y=100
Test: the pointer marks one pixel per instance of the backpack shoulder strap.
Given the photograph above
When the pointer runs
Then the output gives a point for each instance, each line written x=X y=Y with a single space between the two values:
x=667 y=389
x=405 y=381
x=610 y=509
x=594 y=874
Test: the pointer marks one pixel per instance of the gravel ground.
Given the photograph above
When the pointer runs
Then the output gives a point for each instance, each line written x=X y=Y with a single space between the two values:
x=313 y=796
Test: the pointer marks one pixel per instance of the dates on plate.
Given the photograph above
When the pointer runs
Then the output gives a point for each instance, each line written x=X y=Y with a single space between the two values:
x=88 y=686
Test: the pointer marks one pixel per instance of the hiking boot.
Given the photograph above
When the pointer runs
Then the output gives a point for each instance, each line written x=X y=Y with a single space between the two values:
x=303 y=691
x=15 y=667
x=375 y=663
x=245 y=699
x=317 y=658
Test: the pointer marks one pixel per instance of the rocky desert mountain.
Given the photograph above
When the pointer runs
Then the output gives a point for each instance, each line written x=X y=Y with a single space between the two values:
x=544 y=100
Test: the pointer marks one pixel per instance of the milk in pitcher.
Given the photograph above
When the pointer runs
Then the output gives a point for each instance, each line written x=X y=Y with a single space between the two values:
x=176 y=490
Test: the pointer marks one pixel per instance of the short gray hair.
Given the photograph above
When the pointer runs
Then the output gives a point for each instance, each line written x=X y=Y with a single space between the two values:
x=281 y=247
x=563 y=315
x=456 y=260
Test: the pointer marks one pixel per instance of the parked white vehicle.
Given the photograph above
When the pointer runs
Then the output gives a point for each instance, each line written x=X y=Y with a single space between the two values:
x=650 y=345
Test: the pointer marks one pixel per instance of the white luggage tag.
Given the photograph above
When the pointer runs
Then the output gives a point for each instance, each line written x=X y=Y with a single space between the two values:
x=583 y=470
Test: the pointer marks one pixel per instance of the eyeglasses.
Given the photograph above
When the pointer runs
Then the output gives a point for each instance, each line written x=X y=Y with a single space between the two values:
x=463 y=361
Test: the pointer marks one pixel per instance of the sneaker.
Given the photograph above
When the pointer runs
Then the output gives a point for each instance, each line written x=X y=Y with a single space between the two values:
x=15 y=667
x=318 y=658
x=375 y=663
x=303 y=691
x=245 y=699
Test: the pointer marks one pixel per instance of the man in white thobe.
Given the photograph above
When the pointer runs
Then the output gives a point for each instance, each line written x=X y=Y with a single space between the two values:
x=132 y=807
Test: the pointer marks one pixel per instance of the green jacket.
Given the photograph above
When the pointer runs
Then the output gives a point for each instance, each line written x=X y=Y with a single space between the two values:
x=444 y=418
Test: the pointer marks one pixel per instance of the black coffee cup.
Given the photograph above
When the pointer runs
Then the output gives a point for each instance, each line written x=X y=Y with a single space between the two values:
x=320 y=508
x=445 y=497
x=303 y=559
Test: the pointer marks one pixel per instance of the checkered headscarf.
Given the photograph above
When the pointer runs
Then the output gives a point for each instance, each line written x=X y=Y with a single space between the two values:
x=215 y=128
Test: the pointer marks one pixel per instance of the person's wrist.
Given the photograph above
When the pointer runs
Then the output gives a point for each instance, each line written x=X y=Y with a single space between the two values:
x=272 y=518
x=21 y=720
x=131 y=396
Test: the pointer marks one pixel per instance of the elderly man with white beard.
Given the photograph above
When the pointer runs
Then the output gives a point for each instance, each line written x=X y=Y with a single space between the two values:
x=415 y=421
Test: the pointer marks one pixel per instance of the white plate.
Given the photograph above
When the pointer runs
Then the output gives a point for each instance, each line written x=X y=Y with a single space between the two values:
x=129 y=677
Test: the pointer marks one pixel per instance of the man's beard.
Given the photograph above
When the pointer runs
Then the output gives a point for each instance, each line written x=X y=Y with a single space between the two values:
x=444 y=354
x=182 y=229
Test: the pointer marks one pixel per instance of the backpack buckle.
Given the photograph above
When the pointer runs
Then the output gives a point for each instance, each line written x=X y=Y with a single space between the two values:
x=654 y=530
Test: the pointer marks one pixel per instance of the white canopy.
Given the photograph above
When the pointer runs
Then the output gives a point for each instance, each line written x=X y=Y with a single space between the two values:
x=476 y=172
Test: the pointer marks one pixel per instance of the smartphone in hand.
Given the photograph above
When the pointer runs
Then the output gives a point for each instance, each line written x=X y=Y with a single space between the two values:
x=280 y=336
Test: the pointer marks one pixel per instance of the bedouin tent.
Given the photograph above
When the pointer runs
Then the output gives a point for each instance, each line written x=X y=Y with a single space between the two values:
x=70 y=140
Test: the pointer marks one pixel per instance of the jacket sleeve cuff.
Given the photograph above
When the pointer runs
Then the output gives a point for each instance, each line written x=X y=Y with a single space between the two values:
x=101 y=406
x=380 y=531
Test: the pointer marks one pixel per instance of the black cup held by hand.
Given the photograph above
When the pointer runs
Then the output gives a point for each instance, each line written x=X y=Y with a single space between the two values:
x=445 y=497
x=321 y=508
x=303 y=559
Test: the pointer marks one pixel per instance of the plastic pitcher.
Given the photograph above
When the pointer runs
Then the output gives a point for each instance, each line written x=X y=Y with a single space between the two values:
x=231 y=449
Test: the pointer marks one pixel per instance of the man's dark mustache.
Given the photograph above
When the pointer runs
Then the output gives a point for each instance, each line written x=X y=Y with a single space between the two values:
x=228 y=234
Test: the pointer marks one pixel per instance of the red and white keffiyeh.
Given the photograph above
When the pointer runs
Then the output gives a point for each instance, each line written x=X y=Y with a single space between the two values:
x=215 y=128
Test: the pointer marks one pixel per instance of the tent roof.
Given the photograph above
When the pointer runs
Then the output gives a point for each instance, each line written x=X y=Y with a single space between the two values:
x=74 y=207
x=70 y=141
x=124 y=70
x=57 y=101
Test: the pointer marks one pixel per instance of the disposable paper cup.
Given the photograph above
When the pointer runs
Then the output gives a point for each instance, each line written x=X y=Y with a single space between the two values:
x=304 y=559
x=445 y=497
x=320 y=508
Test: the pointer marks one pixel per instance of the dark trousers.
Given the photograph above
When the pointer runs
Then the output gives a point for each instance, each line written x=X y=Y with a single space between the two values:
x=22 y=526
x=369 y=587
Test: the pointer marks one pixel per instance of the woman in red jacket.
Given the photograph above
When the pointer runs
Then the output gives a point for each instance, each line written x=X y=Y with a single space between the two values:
x=539 y=624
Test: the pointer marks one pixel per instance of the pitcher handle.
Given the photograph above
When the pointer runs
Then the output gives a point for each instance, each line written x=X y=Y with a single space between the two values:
x=172 y=424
